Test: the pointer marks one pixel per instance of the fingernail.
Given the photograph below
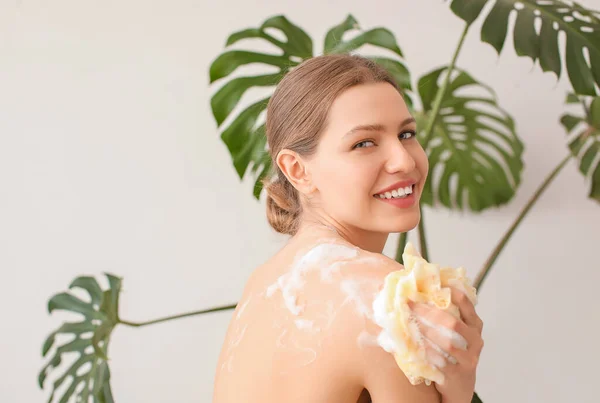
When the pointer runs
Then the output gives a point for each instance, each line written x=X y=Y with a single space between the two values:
x=459 y=342
x=436 y=360
x=456 y=339
x=452 y=360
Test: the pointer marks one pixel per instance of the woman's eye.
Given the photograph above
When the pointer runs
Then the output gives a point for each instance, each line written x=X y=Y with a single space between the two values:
x=406 y=135
x=364 y=144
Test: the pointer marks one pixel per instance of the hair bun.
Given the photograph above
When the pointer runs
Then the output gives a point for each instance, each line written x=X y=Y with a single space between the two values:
x=283 y=206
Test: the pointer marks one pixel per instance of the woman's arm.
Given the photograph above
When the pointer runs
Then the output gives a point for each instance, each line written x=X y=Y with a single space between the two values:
x=375 y=368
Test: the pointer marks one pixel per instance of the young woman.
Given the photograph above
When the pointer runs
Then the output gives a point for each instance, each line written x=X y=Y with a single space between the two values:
x=349 y=171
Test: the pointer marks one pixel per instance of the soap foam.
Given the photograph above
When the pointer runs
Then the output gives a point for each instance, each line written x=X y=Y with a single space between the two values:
x=355 y=292
x=457 y=339
x=242 y=308
x=366 y=339
x=323 y=257
x=304 y=324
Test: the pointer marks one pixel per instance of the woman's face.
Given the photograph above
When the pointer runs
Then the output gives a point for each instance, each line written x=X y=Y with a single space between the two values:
x=369 y=168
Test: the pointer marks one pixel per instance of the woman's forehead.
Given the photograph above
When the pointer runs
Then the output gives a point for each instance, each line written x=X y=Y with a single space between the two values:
x=371 y=107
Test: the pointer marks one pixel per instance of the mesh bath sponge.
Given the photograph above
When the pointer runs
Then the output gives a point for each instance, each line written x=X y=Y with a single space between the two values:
x=420 y=281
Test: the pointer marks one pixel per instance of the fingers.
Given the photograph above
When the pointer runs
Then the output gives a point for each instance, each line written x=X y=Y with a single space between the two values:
x=448 y=336
x=467 y=310
x=443 y=353
x=442 y=328
x=456 y=340
x=438 y=359
x=436 y=356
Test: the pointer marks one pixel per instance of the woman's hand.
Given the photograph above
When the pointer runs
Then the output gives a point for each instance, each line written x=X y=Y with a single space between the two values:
x=453 y=345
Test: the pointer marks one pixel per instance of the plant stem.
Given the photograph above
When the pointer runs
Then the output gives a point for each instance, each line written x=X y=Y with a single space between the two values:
x=439 y=97
x=401 y=245
x=422 y=238
x=586 y=108
x=490 y=261
x=435 y=111
x=168 y=318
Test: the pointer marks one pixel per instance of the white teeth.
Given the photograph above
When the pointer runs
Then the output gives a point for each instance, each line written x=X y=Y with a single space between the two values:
x=398 y=193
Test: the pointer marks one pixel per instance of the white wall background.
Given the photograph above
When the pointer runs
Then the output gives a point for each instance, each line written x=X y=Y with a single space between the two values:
x=110 y=161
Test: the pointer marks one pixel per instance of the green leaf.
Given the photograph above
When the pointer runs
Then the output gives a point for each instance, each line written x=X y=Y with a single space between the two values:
x=244 y=34
x=474 y=153
x=254 y=149
x=263 y=165
x=102 y=388
x=580 y=26
x=101 y=335
x=89 y=342
x=110 y=303
x=69 y=302
x=228 y=96
x=335 y=34
x=380 y=37
x=66 y=328
x=468 y=10
x=252 y=33
x=570 y=121
x=298 y=42
x=228 y=62
x=396 y=69
x=90 y=285
x=243 y=137
x=595 y=113
x=585 y=144
x=572 y=99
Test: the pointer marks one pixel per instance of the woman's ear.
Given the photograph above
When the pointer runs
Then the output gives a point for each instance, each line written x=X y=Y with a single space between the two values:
x=295 y=170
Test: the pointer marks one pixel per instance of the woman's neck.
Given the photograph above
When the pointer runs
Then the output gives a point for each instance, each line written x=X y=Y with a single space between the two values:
x=323 y=228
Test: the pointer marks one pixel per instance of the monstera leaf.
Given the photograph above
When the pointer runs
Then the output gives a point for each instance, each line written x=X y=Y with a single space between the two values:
x=580 y=26
x=474 y=154
x=89 y=374
x=245 y=136
x=585 y=144
x=380 y=37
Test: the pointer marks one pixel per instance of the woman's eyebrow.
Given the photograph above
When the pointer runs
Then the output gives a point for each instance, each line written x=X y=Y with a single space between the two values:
x=376 y=127
x=366 y=128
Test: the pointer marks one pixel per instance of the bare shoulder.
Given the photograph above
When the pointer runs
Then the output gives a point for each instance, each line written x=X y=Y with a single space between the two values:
x=375 y=368
x=310 y=311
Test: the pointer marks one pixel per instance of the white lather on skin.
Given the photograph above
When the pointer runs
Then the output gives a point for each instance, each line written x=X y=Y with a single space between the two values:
x=326 y=258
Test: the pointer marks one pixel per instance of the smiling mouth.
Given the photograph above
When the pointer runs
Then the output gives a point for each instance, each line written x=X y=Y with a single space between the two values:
x=399 y=193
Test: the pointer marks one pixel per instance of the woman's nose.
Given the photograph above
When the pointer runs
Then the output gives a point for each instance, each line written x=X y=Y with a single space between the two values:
x=399 y=159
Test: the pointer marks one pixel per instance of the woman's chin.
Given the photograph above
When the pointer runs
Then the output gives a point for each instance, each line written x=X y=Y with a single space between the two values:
x=403 y=223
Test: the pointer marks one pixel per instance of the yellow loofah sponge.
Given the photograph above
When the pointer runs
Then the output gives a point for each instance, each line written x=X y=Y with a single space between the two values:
x=420 y=281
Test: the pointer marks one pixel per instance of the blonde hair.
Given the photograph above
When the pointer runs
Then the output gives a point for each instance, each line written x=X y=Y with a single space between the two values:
x=296 y=116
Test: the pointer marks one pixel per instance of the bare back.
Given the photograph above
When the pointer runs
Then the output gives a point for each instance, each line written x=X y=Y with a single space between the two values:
x=302 y=332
